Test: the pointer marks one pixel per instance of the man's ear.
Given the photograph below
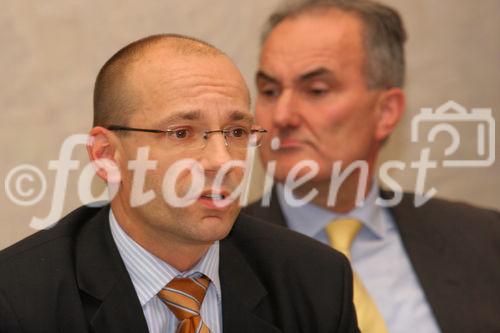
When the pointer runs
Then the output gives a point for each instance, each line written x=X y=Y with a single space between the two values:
x=390 y=109
x=102 y=151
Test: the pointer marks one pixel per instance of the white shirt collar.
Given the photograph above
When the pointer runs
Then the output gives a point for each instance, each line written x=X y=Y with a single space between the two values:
x=149 y=273
x=311 y=219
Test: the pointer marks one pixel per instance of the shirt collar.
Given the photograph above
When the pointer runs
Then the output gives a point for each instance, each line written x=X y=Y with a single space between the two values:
x=369 y=213
x=149 y=274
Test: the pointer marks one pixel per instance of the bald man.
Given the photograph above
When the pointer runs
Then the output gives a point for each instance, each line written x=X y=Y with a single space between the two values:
x=168 y=111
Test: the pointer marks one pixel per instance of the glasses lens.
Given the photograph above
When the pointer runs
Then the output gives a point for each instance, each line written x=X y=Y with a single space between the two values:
x=245 y=137
x=237 y=137
x=185 y=138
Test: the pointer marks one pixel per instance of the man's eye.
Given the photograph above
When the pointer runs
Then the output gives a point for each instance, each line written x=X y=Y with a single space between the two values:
x=180 y=133
x=269 y=92
x=317 y=91
x=238 y=132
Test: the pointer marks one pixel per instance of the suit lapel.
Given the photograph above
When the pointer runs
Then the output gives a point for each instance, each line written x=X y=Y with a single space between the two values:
x=242 y=292
x=425 y=245
x=108 y=295
x=428 y=252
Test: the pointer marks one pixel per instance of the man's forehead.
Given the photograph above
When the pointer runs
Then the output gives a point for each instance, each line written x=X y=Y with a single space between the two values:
x=338 y=20
x=297 y=67
x=332 y=29
x=158 y=64
x=308 y=42
x=177 y=78
x=204 y=115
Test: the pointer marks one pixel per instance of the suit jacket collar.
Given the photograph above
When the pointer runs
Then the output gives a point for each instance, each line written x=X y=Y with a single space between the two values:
x=428 y=250
x=425 y=245
x=242 y=290
x=111 y=304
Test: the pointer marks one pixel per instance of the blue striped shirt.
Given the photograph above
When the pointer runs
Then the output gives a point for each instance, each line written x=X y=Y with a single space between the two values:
x=378 y=257
x=150 y=274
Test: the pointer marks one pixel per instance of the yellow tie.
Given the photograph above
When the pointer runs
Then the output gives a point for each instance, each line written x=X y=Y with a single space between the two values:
x=183 y=296
x=341 y=233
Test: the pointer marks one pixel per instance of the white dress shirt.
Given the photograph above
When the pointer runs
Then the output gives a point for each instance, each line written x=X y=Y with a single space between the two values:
x=378 y=257
x=150 y=274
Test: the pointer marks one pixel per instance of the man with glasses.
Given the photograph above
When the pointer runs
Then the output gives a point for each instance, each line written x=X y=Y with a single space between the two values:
x=170 y=253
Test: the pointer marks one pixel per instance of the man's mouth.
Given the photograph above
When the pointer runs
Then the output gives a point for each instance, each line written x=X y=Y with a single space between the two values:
x=290 y=143
x=214 y=200
x=213 y=196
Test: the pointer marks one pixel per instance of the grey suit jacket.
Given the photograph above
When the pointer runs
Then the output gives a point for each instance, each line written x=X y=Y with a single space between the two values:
x=455 y=251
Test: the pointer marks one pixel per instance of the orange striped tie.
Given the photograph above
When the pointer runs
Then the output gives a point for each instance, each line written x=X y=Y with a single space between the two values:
x=184 y=296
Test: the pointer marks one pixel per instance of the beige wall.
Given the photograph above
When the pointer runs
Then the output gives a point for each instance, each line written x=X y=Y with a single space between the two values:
x=52 y=50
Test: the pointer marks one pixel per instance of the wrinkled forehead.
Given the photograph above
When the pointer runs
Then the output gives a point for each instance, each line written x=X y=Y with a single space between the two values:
x=314 y=40
x=204 y=117
x=169 y=83
x=165 y=69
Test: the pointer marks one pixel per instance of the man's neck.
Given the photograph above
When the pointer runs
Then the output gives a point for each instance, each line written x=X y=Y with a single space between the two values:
x=180 y=254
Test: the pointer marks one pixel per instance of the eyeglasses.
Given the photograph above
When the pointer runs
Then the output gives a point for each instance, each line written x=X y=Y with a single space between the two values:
x=237 y=137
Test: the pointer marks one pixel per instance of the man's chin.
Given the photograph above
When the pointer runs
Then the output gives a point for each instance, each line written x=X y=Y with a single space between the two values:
x=221 y=218
x=215 y=228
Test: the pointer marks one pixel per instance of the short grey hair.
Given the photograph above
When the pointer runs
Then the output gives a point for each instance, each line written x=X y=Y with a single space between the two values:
x=384 y=36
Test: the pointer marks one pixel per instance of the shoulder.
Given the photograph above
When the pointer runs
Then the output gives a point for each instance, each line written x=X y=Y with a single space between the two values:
x=271 y=212
x=282 y=246
x=256 y=209
x=54 y=244
x=38 y=276
x=308 y=284
x=450 y=212
x=459 y=225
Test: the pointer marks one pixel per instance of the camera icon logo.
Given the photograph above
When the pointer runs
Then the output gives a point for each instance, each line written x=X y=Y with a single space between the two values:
x=444 y=120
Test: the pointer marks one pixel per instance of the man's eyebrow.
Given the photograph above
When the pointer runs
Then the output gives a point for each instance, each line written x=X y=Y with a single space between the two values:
x=321 y=71
x=261 y=75
x=183 y=115
x=240 y=115
x=192 y=115
x=315 y=73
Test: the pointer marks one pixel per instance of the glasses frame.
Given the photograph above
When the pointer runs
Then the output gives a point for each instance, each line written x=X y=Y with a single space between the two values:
x=206 y=133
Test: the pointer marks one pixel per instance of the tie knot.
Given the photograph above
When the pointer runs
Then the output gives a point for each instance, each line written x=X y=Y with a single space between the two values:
x=184 y=295
x=341 y=233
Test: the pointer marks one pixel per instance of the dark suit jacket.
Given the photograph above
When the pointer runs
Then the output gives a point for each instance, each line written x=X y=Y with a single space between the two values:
x=72 y=279
x=455 y=251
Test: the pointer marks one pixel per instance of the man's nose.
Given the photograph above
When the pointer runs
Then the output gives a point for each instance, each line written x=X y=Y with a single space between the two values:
x=216 y=152
x=286 y=110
